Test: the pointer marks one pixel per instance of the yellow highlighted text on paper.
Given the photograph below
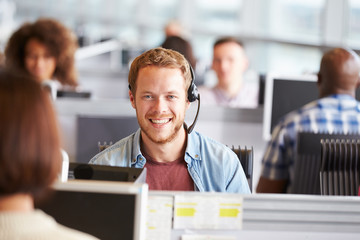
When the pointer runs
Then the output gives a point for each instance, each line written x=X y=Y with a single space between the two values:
x=229 y=212
x=185 y=212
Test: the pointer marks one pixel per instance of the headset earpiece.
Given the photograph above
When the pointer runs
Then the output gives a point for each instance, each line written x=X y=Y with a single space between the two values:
x=193 y=93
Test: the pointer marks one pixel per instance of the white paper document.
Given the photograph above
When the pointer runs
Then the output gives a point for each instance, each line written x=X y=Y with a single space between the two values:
x=159 y=217
x=208 y=212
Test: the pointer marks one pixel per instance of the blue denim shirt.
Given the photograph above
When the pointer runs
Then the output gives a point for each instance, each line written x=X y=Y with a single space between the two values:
x=211 y=165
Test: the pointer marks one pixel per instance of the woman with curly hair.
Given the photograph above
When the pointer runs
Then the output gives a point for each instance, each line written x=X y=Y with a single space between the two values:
x=44 y=49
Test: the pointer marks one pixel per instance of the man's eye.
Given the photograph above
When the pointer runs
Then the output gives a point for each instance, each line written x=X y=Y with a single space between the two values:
x=171 y=97
x=147 y=97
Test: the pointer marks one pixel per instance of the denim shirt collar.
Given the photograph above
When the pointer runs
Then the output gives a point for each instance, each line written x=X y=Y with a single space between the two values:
x=137 y=159
x=191 y=152
x=192 y=148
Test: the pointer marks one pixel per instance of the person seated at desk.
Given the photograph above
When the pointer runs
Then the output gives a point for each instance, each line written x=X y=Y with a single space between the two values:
x=182 y=46
x=174 y=28
x=30 y=160
x=230 y=64
x=161 y=89
x=45 y=50
x=336 y=111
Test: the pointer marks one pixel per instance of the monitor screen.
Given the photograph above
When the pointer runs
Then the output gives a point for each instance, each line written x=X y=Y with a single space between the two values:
x=73 y=94
x=103 y=172
x=107 y=210
x=284 y=94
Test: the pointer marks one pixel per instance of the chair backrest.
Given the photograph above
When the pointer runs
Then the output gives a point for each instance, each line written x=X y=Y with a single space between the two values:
x=340 y=166
x=246 y=158
x=308 y=161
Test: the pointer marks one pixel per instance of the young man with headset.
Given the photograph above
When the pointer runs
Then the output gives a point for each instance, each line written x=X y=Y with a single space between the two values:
x=176 y=158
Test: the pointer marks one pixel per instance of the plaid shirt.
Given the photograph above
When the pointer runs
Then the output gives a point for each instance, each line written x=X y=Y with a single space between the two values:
x=332 y=114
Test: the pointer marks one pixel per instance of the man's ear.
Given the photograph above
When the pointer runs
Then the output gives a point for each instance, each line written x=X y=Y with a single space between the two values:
x=188 y=103
x=132 y=99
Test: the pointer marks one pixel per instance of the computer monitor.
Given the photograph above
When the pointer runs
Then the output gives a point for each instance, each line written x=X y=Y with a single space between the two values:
x=73 y=94
x=284 y=94
x=103 y=172
x=107 y=210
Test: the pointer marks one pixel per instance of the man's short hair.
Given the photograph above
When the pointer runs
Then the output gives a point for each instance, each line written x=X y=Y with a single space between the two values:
x=228 y=40
x=159 y=57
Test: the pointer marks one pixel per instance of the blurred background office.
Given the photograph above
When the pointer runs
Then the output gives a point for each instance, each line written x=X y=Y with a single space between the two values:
x=280 y=35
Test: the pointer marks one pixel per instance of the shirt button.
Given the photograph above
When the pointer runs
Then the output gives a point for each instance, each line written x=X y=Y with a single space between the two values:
x=197 y=156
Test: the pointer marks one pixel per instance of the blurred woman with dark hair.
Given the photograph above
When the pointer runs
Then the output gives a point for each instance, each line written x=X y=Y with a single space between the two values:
x=46 y=50
x=182 y=46
x=30 y=160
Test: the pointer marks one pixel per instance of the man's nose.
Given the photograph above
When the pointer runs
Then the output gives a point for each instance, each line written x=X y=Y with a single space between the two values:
x=160 y=105
x=224 y=65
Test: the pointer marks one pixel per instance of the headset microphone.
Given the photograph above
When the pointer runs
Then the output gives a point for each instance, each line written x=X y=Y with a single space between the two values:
x=193 y=95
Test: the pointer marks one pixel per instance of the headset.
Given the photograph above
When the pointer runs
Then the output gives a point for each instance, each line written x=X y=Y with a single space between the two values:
x=193 y=95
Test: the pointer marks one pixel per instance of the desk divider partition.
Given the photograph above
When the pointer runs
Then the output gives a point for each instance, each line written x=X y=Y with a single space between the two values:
x=222 y=216
x=115 y=210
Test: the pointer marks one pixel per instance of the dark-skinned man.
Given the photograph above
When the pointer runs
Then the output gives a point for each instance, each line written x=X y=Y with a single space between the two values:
x=336 y=111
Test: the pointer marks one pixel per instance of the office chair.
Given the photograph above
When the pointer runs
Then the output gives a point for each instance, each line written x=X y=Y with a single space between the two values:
x=308 y=161
x=340 y=166
x=246 y=158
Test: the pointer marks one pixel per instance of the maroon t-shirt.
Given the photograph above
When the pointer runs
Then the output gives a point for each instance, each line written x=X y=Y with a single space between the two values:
x=168 y=176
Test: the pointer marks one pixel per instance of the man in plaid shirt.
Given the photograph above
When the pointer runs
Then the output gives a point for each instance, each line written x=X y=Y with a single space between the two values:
x=336 y=111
